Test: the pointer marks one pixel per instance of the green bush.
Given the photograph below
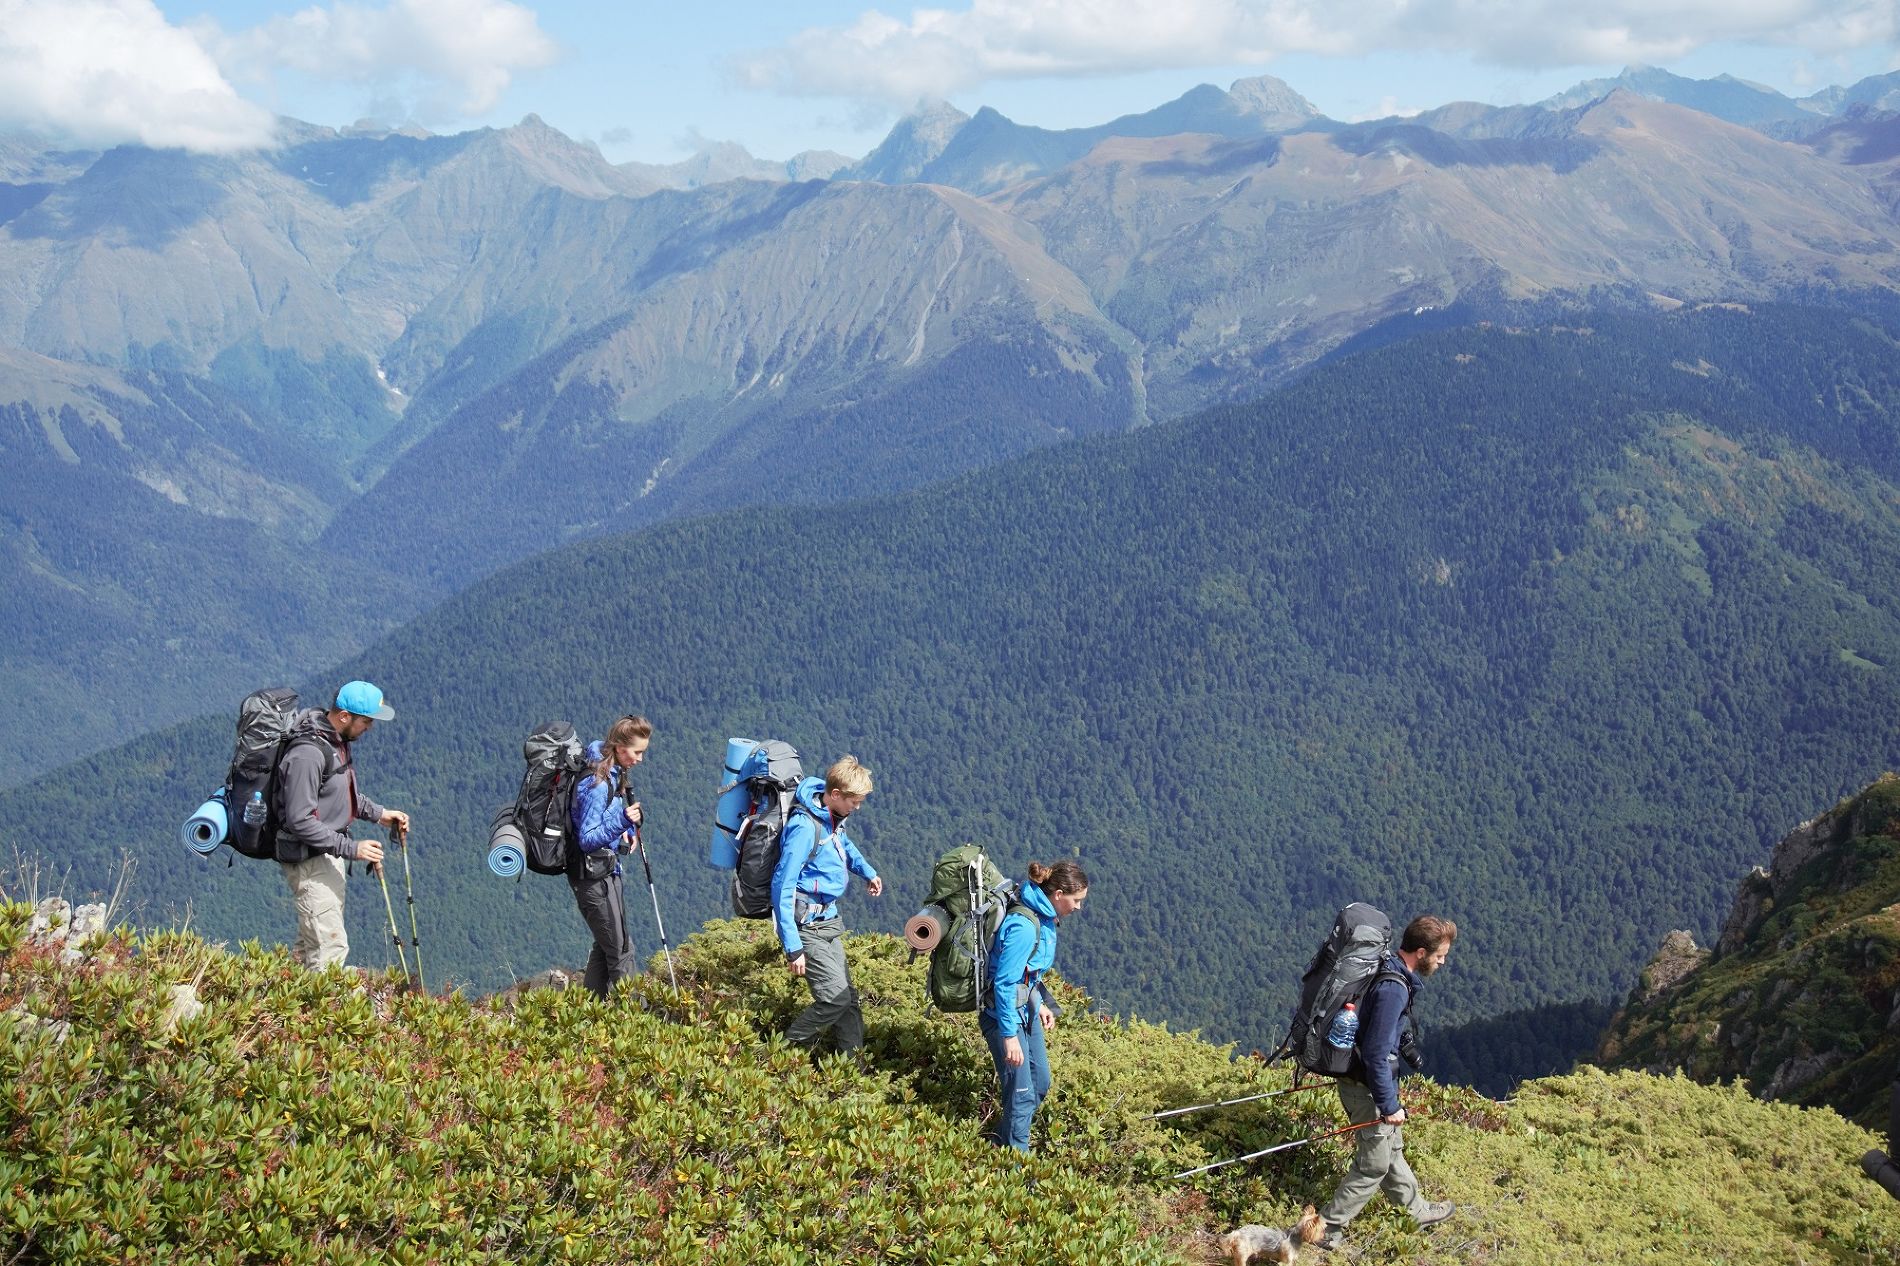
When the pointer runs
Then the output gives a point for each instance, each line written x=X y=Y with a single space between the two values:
x=337 y=1118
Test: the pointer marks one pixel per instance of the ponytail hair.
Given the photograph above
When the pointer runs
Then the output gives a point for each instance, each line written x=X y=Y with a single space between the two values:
x=1063 y=876
x=624 y=731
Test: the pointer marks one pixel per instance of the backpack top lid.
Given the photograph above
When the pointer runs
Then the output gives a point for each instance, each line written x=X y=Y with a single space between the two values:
x=773 y=762
x=554 y=745
x=264 y=718
x=960 y=871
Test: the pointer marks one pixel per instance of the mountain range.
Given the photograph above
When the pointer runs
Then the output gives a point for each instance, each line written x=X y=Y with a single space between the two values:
x=389 y=364
x=1549 y=629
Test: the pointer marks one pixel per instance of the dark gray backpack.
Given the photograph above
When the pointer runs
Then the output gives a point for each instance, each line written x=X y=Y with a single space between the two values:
x=266 y=727
x=771 y=775
x=556 y=760
x=1354 y=955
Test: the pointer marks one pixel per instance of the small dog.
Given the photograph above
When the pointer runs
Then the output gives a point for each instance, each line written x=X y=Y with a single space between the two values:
x=1252 y=1244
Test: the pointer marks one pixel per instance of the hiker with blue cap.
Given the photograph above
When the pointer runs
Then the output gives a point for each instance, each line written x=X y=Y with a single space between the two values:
x=317 y=801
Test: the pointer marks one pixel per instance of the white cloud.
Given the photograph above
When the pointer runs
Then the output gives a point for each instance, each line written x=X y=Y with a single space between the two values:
x=937 y=52
x=453 y=58
x=107 y=72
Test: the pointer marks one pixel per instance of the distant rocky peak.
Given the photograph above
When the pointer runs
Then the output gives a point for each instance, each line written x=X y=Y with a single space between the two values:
x=1273 y=100
x=916 y=141
x=934 y=121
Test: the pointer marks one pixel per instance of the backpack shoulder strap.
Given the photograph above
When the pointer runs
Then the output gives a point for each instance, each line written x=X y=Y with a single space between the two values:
x=1388 y=972
x=1017 y=907
x=297 y=737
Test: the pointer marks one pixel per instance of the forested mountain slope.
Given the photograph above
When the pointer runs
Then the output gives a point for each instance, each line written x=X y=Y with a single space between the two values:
x=1545 y=630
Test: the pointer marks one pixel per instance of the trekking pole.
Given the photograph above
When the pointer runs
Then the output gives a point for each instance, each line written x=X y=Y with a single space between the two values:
x=1268 y=1151
x=626 y=790
x=409 y=896
x=1228 y=1103
x=390 y=910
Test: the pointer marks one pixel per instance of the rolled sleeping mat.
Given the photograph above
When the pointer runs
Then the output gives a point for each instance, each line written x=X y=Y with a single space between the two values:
x=206 y=828
x=507 y=851
x=923 y=930
x=734 y=803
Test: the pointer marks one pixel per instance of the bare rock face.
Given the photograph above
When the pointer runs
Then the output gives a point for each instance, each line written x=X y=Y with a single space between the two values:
x=1795 y=1073
x=1754 y=899
x=1678 y=957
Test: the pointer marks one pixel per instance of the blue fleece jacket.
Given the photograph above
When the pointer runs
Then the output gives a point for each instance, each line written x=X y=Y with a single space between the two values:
x=815 y=861
x=598 y=816
x=1019 y=954
x=1381 y=1021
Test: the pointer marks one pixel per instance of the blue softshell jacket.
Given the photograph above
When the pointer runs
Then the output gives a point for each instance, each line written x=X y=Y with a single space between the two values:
x=815 y=862
x=1381 y=1021
x=1019 y=958
x=599 y=820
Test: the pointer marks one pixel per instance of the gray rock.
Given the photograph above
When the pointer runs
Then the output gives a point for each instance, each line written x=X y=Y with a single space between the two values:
x=51 y=919
x=86 y=932
x=184 y=1005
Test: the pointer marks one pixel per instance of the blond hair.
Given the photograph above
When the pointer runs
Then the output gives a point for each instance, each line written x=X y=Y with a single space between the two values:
x=849 y=777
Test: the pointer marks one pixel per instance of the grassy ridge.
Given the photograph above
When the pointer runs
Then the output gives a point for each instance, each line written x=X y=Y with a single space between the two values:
x=334 y=1118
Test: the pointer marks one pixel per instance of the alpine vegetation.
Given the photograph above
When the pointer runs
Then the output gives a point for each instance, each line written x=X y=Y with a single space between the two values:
x=336 y=1117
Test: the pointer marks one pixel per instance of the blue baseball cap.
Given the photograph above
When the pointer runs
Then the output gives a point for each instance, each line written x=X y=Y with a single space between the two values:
x=364 y=700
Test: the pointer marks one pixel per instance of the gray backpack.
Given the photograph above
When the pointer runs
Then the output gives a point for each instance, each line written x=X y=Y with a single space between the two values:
x=556 y=762
x=771 y=774
x=1354 y=955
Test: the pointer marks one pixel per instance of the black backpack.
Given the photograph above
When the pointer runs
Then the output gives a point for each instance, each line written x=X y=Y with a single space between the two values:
x=266 y=728
x=557 y=761
x=1354 y=955
x=770 y=774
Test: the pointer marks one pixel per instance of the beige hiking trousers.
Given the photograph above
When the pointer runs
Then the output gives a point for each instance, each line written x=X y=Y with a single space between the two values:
x=316 y=885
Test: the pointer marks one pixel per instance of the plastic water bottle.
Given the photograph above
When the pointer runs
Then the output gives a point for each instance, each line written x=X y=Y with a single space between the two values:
x=254 y=813
x=1345 y=1028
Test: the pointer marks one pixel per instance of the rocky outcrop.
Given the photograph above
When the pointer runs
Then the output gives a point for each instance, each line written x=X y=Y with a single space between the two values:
x=1801 y=996
x=1678 y=956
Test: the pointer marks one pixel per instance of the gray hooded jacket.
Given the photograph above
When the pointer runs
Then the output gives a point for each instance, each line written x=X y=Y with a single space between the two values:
x=313 y=812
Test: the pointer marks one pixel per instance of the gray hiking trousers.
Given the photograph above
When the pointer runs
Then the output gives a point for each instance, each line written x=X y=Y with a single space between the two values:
x=834 y=1001
x=605 y=911
x=1378 y=1163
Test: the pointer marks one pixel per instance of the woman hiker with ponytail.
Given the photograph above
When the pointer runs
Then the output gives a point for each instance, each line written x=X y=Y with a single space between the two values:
x=604 y=827
x=1016 y=1008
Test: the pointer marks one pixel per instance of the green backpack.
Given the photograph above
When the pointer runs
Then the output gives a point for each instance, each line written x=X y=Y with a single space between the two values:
x=974 y=899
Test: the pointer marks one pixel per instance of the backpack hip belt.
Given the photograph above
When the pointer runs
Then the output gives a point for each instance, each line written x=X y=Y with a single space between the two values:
x=805 y=912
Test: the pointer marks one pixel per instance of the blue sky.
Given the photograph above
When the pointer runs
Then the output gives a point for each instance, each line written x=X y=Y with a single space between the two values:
x=651 y=81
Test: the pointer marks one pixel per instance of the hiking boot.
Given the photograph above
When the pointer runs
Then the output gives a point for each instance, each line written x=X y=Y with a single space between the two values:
x=1333 y=1237
x=1435 y=1212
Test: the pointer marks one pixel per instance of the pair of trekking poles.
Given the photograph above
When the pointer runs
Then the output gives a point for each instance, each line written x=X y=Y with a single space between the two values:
x=400 y=837
x=1265 y=1151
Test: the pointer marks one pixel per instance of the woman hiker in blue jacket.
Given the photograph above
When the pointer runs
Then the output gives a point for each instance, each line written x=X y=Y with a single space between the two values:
x=604 y=827
x=815 y=863
x=1016 y=1008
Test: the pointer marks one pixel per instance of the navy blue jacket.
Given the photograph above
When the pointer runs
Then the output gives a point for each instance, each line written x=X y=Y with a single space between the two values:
x=1381 y=1022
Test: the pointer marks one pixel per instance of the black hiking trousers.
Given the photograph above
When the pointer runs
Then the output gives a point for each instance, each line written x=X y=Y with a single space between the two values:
x=605 y=911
